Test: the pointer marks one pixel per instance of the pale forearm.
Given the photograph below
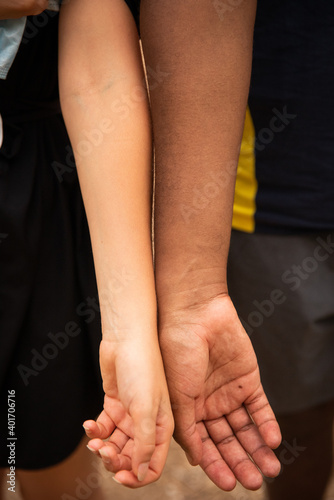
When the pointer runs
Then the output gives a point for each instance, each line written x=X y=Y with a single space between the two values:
x=198 y=112
x=105 y=108
x=115 y=183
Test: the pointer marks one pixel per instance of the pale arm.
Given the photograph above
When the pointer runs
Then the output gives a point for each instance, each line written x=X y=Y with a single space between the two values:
x=105 y=107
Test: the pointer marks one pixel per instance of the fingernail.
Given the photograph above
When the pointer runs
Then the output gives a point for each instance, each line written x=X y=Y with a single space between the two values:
x=86 y=428
x=104 y=455
x=142 y=471
x=90 y=449
x=116 y=480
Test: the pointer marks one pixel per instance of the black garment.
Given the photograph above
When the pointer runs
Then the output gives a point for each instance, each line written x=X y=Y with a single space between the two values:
x=49 y=316
x=134 y=6
x=292 y=106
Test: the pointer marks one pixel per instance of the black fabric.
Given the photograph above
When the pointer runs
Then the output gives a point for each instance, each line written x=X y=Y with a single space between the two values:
x=293 y=75
x=49 y=318
x=134 y=6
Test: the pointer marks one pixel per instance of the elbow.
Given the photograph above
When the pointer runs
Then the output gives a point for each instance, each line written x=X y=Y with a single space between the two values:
x=30 y=7
x=88 y=90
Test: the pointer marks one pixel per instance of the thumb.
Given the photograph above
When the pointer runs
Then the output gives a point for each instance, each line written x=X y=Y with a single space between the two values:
x=186 y=433
x=144 y=426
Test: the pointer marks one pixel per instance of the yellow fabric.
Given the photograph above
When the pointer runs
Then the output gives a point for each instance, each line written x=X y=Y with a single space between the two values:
x=246 y=185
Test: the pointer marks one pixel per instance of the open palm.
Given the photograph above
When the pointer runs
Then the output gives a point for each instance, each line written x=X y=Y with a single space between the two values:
x=222 y=417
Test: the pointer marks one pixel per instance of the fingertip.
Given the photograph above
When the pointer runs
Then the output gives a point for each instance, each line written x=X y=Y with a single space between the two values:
x=273 y=436
x=273 y=469
x=192 y=447
x=218 y=471
x=130 y=480
x=193 y=459
x=254 y=482
x=228 y=483
x=95 y=445
x=144 y=444
x=142 y=471
x=141 y=461
x=126 y=478
x=105 y=455
x=274 y=443
x=249 y=475
x=94 y=430
x=88 y=425
x=117 y=480
x=91 y=449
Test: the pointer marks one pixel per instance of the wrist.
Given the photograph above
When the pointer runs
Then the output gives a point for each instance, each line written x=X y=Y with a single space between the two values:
x=189 y=289
x=136 y=321
x=128 y=311
x=195 y=270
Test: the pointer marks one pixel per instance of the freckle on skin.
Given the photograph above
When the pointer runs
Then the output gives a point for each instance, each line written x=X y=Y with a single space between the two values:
x=240 y=386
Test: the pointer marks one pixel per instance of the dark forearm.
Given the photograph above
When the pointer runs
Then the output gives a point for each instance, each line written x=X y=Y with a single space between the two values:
x=198 y=110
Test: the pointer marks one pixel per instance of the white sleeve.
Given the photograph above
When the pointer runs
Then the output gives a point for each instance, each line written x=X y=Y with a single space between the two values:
x=11 y=31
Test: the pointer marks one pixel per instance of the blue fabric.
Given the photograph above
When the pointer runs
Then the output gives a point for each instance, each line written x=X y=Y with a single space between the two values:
x=11 y=31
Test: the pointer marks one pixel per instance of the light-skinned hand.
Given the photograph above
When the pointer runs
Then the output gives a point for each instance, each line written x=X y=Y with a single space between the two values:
x=136 y=421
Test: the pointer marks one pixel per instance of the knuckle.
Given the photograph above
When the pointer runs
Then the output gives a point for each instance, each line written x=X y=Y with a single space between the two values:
x=146 y=426
x=226 y=440
x=245 y=428
x=205 y=439
x=239 y=464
